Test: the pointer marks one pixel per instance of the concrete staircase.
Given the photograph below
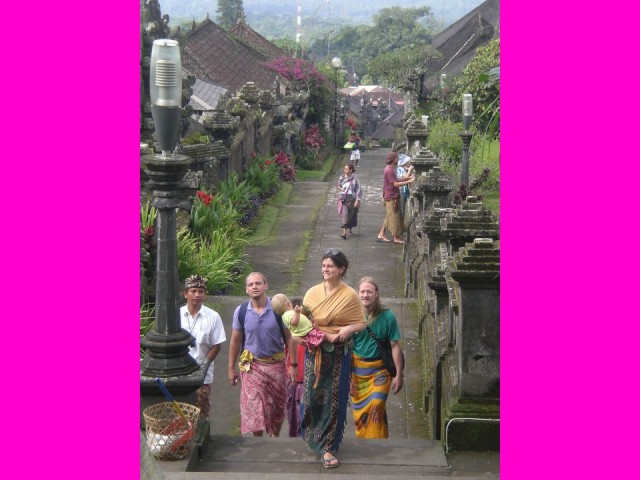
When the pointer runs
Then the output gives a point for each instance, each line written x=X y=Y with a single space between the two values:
x=233 y=457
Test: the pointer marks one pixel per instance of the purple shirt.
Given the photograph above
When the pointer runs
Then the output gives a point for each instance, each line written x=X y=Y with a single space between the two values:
x=390 y=176
x=263 y=337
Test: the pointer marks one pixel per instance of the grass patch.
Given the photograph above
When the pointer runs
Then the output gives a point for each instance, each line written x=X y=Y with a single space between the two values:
x=319 y=175
x=491 y=200
x=268 y=216
x=486 y=154
x=300 y=261
x=266 y=221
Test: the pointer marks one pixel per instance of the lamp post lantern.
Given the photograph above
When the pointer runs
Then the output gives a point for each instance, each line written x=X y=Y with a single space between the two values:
x=467 y=115
x=336 y=63
x=167 y=345
x=467 y=110
x=443 y=90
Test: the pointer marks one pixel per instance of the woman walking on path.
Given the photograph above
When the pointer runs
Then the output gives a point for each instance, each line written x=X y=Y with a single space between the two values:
x=371 y=382
x=349 y=199
x=391 y=194
x=335 y=308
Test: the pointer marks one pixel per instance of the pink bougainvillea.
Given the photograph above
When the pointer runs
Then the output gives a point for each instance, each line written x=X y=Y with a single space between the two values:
x=295 y=69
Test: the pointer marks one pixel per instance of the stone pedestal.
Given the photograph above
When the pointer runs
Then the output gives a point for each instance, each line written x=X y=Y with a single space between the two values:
x=472 y=220
x=424 y=161
x=416 y=133
x=471 y=374
x=435 y=187
x=476 y=269
x=167 y=345
x=433 y=227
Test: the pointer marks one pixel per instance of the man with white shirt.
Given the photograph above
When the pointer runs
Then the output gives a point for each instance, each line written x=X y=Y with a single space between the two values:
x=205 y=325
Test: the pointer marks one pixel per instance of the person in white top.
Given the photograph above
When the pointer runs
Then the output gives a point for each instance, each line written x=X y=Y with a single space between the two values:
x=205 y=325
x=349 y=199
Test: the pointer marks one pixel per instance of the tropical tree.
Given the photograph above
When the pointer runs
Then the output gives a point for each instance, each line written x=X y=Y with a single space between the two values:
x=397 y=67
x=481 y=78
x=229 y=12
x=393 y=28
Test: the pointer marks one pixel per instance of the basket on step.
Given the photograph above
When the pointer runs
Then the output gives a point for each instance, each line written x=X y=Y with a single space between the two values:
x=170 y=436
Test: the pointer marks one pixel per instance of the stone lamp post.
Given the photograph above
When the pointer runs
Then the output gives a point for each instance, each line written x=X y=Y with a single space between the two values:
x=416 y=134
x=336 y=63
x=466 y=136
x=167 y=345
x=425 y=121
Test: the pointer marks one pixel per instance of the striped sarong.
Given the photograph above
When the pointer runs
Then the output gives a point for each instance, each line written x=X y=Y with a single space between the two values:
x=370 y=384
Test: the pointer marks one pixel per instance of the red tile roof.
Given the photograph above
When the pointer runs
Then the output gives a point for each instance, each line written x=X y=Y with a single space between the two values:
x=253 y=39
x=216 y=55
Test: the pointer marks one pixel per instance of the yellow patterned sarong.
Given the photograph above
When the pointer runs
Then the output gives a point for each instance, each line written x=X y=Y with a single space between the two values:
x=246 y=357
x=370 y=384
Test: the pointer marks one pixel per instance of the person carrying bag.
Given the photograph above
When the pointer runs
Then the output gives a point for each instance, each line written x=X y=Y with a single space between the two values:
x=348 y=199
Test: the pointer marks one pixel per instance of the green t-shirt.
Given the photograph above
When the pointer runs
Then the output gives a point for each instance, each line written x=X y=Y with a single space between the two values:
x=304 y=325
x=384 y=326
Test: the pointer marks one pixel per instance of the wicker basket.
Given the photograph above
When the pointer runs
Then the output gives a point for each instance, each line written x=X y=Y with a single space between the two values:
x=169 y=436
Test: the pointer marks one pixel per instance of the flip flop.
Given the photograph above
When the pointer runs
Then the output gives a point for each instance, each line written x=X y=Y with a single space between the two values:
x=383 y=240
x=330 y=462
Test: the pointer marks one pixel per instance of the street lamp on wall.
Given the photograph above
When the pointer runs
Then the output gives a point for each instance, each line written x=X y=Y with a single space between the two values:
x=443 y=90
x=467 y=115
x=467 y=110
x=336 y=63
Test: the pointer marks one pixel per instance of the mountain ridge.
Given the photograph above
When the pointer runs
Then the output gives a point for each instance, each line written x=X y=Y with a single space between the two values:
x=316 y=14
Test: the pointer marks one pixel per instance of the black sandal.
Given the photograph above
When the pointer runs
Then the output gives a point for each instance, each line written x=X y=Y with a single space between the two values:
x=331 y=462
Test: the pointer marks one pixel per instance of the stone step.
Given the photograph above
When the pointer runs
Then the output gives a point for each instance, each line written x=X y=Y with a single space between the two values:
x=383 y=457
x=314 y=476
x=284 y=458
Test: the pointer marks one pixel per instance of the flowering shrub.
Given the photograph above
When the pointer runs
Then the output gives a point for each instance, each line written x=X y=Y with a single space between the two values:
x=148 y=216
x=463 y=191
x=296 y=70
x=287 y=171
x=351 y=123
x=264 y=176
x=311 y=143
x=206 y=199
x=212 y=212
x=312 y=138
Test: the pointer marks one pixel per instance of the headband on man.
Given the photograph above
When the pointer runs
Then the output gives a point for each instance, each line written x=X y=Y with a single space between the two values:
x=195 y=281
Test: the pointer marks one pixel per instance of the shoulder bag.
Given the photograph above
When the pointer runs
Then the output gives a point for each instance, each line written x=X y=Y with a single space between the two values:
x=384 y=348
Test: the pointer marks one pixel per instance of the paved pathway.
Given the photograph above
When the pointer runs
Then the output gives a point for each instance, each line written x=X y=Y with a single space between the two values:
x=307 y=226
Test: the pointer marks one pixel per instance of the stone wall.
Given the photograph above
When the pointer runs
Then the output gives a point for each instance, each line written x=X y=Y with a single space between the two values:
x=452 y=262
